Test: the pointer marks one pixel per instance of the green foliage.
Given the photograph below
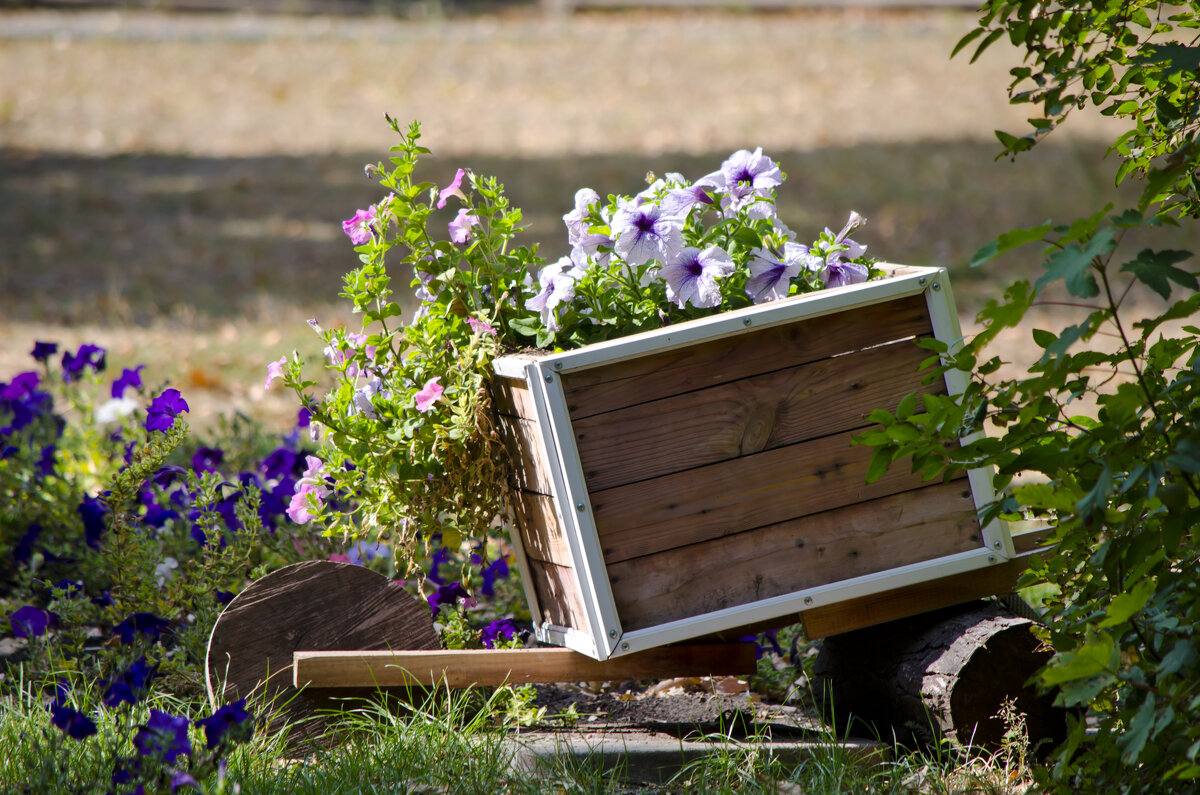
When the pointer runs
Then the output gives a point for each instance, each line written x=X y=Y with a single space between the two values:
x=1099 y=436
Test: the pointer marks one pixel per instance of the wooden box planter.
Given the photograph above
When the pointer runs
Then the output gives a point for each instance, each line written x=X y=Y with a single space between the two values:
x=700 y=478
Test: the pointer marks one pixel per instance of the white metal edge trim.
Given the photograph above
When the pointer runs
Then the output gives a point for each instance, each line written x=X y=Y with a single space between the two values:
x=570 y=492
x=774 y=313
x=566 y=637
x=795 y=602
x=510 y=367
x=944 y=315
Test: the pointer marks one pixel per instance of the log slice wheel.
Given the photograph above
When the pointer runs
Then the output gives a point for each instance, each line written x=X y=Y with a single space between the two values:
x=315 y=605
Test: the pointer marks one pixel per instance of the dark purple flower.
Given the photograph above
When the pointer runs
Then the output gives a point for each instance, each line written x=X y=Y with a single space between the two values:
x=103 y=600
x=146 y=624
x=183 y=779
x=42 y=351
x=164 y=409
x=167 y=475
x=23 y=551
x=23 y=384
x=304 y=417
x=163 y=734
x=93 y=511
x=497 y=569
x=442 y=555
x=224 y=597
x=29 y=622
x=231 y=718
x=88 y=355
x=73 y=722
x=207 y=459
x=280 y=463
x=47 y=460
x=129 y=378
x=448 y=594
x=131 y=684
x=70 y=588
x=502 y=629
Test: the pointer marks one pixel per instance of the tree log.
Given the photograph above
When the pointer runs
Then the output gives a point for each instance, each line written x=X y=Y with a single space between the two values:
x=939 y=676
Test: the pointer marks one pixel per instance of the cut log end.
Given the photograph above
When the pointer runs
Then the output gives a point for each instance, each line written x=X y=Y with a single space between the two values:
x=940 y=676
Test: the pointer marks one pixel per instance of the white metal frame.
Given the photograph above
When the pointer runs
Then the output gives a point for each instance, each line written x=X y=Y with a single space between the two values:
x=543 y=374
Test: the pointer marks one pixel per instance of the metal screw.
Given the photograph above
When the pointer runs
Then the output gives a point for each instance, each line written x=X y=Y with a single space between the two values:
x=558 y=365
x=991 y=558
x=746 y=322
x=937 y=286
x=921 y=281
x=808 y=600
x=549 y=378
x=624 y=647
x=612 y=633
x=579 y=506
x=996 y=545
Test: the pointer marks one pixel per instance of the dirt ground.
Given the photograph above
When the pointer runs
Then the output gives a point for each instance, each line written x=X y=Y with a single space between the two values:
x=172 y=186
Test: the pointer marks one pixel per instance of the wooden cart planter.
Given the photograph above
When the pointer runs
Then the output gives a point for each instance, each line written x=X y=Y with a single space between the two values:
x=701 y=478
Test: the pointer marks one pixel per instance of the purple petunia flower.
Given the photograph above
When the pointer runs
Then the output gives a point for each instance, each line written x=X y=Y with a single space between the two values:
x=165 y=735
x=42 y=351
x=74 y=723
x=460 y=227
x=680 y=201
x=22 y=385
x=93 y=511
x=453 y=189
x=770 y=276
x=183 y=779
x=164 y=409
x=497 y=569
x=644 y=232
x=136 y=624
x=502 y=629
x=23 y=551
x=279 y=463
x=447 y=594
x=838 y=272
x=130 y=685
x=692 y=275
x=579 y=225
x=557 y=283
x=750 y=174
x=88 y=355
x=29 y=622
x=359 y=228
x=232 y=719
x=207 y=459
x=129 y=378
x=47 y=460
x=304 y=417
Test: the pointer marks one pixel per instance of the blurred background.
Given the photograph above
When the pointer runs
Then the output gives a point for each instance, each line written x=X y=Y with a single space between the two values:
x=173 y=175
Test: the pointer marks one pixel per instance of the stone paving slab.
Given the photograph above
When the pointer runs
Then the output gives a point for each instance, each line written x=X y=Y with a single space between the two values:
x=644 y=756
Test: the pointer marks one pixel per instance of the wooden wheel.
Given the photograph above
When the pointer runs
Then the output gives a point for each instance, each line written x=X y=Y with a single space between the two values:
x=315 y=605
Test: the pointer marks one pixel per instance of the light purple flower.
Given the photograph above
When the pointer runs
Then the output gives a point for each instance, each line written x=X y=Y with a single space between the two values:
x=364 y=398
x=358 y=228
x=275 y=370
x=460 y=227
x=749 y=173
x=681 y=200
x=453 y=189
x=557 y=283
x=645 y=232
x=771 y=276
x=838 y=272
x=429 y=394
x=578 y=220
x=692 y=276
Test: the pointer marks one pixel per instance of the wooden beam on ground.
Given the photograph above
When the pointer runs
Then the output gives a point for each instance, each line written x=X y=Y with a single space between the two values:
x=468 y=667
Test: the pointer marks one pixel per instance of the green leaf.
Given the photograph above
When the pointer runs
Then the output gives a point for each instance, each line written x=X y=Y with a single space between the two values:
x=1010 y=240
x=1156 y=268
x=1087 y=661
x=1124 y=605
x=1134 y=738
x=1073 y=264
x=1176 y=58
x=1013 y=144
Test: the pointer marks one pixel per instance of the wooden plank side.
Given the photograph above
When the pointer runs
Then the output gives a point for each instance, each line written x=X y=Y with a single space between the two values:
x=531 y=465
x=673 y=372
x=828 y=547
x=512 y=398
x=541 y=535
x=734 y=496
x=559 y=594
x=746 y=416
x=491 y=667
x=912 y=600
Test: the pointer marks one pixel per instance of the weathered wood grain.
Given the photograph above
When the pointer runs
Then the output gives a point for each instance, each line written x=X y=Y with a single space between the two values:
x=625 y=383
x=531 y=465
x=559 y=594
x=490 y=667
x=836 y=545
x=541 y=535
x=312 y=605
x=747 y=416
x=512 y=398
x=738 y=495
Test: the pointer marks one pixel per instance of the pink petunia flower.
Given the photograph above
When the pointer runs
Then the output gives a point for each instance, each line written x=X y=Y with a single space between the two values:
x=306 y=500
x=481 y=326
x=358 y=228
x=275 y=370
x=460 y=227
x=429 y=394
x=453 y=189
